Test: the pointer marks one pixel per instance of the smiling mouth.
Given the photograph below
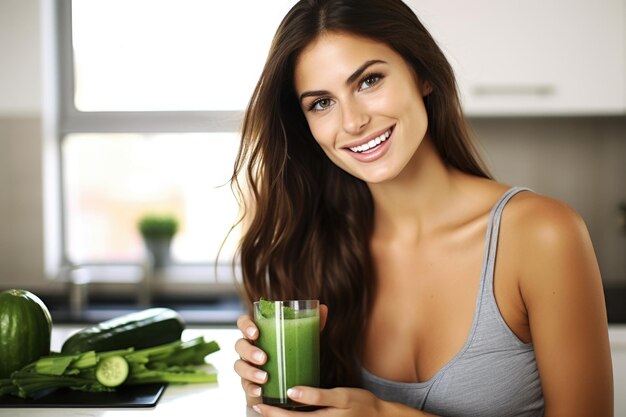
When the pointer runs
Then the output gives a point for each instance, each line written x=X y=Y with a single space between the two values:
x=372 y=144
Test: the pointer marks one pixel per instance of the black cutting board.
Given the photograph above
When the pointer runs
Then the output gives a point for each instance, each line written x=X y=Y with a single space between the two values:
x=130 y=396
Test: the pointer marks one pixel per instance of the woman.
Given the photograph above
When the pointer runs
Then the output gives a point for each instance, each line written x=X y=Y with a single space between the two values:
x=447 y=292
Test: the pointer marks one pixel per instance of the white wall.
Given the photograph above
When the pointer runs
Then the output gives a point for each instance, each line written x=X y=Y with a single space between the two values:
x=20 y=52
x=21 y=202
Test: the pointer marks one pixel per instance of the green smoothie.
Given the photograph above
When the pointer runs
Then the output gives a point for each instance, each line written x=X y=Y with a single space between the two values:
x=290 y=338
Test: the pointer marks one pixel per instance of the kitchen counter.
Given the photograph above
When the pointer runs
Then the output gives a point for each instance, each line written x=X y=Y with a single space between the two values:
x=225 y=398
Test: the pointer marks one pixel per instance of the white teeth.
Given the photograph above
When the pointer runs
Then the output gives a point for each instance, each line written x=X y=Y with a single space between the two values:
x=372 y=143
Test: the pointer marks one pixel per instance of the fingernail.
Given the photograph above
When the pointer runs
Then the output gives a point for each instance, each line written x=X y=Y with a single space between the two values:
x=258 y=356
x=256 y=392
x=257 y=409
x=251 y=331
x=294 y=393
x=260 y=376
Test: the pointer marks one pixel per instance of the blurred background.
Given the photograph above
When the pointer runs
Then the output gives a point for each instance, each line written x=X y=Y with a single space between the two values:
x=114 y=109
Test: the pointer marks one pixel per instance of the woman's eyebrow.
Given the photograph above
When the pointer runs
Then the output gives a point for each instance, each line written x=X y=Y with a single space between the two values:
x=353 y=77
x=356 y=74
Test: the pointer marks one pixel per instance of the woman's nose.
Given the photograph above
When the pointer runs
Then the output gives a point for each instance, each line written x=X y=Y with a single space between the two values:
x=355 y=118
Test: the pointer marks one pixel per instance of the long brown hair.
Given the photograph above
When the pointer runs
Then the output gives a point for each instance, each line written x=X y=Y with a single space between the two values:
x=308 y=223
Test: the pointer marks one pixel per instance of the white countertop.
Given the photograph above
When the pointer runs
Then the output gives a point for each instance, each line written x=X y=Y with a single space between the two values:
x=226 y=398
x=617 y=336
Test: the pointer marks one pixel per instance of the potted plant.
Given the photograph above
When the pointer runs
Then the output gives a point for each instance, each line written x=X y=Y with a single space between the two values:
x=157 y=232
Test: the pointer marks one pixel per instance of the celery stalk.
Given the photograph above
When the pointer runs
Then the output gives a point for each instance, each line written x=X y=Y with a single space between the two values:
x=168 y=363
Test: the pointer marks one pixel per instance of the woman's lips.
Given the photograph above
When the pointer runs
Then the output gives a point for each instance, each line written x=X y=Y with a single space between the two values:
x=374 y=149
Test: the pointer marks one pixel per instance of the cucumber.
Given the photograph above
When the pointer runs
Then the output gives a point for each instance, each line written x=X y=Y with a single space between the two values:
x=142 y=329
x=112 y=371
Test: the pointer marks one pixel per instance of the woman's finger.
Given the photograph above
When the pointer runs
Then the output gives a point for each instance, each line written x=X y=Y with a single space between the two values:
x=249 y=352
x=249 y=372
x=251 y=389
x=247 y=327
x=323 y=315
x=335 y=397
x=270 y=411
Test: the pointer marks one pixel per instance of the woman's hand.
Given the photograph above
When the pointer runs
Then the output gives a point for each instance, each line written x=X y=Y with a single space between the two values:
x=337 y=402
x=251 y=357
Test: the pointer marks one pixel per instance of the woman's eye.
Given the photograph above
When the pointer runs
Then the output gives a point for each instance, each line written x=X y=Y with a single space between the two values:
x=321 y=104
x=369 y=81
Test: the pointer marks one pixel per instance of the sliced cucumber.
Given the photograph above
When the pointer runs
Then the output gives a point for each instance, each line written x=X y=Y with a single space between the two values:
x=112 y=371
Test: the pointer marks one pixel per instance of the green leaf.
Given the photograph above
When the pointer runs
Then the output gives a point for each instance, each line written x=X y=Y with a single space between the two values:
x=158 y=226
x=268 y=310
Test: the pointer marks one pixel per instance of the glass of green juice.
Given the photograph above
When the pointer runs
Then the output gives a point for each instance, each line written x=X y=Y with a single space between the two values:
x=289 y=334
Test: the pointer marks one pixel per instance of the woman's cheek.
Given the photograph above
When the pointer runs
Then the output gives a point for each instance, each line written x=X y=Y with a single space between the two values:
x=322 y=132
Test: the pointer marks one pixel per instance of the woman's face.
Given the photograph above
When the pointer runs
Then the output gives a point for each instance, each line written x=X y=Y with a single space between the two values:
x=362 y=103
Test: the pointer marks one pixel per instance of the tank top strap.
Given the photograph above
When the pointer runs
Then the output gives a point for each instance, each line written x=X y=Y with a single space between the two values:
x=491 y=238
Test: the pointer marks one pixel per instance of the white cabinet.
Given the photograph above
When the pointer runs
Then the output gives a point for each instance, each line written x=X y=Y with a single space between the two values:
x=533 y=57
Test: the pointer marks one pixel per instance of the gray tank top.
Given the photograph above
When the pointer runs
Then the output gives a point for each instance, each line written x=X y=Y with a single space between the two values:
x=494 y=374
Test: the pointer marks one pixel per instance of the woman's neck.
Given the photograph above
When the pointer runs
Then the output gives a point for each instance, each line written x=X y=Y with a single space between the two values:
x=414 y=203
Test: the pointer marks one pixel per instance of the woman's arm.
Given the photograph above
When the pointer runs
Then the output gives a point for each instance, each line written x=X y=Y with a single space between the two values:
x=562 y=290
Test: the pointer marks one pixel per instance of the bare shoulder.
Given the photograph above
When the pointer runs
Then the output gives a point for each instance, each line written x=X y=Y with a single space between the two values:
x=533 y=222
x=538 y=221
x=552 y=245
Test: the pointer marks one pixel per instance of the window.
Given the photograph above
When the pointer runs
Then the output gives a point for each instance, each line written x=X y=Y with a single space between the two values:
x=111 y=179
x=151 y=98
x=145 y=55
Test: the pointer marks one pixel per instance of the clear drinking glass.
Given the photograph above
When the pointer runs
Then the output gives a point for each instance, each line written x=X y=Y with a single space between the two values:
x=289 y=333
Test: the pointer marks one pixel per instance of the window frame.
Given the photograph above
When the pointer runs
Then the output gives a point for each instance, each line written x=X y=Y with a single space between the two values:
x=67 y=119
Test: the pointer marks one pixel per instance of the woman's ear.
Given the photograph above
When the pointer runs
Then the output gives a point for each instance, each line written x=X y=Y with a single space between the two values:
x=426 y=88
